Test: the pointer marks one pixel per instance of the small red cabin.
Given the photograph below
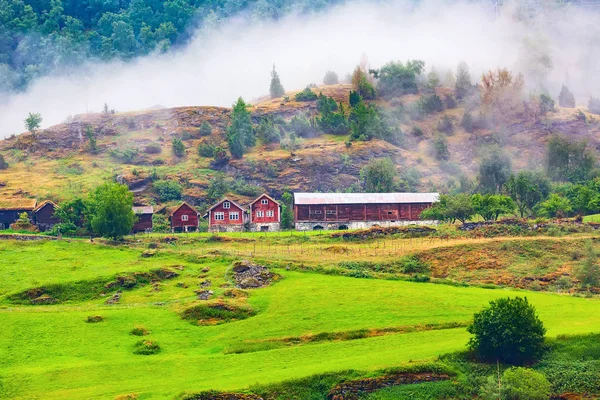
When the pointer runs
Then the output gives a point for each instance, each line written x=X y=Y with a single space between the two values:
x=144 y=218
x=226 y=216
x=265 y=214
x=184 y=218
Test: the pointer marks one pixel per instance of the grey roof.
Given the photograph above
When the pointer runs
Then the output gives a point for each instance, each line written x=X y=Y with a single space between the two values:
x=143 y=210
x=364 y=198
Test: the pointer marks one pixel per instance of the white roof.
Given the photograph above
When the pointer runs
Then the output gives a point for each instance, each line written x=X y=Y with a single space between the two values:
x=364 y=198
x=143 y=209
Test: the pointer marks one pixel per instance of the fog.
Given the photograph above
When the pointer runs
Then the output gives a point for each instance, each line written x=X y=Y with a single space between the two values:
x=235 y=58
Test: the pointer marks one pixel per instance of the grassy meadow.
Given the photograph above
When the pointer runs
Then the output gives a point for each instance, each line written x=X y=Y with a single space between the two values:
x=51 y=352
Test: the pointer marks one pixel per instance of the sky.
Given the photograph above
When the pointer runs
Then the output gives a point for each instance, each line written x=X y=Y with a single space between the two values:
x=235 y=58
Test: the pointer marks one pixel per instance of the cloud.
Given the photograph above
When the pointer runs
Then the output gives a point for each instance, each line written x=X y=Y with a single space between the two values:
x=235 y=59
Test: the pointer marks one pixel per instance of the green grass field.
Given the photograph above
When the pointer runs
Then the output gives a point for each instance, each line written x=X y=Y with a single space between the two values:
x=50 y=352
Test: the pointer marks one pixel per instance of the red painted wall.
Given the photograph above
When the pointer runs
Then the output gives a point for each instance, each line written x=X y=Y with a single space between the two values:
x=270 y=206
x=359 y=212
x=144 y=222
x=226 y=221
x=176 y=221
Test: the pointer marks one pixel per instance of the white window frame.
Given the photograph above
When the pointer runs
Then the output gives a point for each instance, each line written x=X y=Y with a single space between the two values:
x=270 y=213
x=260 y=214
x=226 y=205
x=184 y=218
x=219 y=216
x=264 y=201
x=234 y=216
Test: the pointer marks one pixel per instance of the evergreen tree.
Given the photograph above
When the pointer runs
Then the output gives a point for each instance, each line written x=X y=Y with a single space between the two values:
x=354 y=98
x=276 y=89
x=178 y=147
x=89 y=133
x=3 y=163
x=463 y=86
x=566 y=99
x=240 y=133
x=205 y=129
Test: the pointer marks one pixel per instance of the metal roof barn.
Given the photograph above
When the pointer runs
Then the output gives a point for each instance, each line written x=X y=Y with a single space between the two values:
x=364 y=198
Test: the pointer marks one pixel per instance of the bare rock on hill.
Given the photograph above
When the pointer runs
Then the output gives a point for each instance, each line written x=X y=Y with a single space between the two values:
x=115 y=298
x=204 y=294
x=44 y=299
x=248 y=275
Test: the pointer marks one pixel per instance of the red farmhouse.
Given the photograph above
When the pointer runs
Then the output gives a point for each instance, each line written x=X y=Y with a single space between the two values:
x=265 y=214
x=226 y=216
x=184 y=218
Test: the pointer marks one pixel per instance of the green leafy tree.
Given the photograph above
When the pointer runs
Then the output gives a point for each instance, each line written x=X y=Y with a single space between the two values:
x=379 y=176
x=167 y=189
x=361 y=84
x=240 y=133
x=546 y=104
x=517 y=384
x=301 y=125
x=430 y=104
x=527 y=189
x=440 y=147
x=556 y=206
x=450 y=208
x=397 y=79
x=267 y=132
x=494 y=171
x=276 y=89
x=205 y=129
x=74 y=212
x=573 y=161
x=33 y=122
x=433 y=79
x=331 y=120
x=491 y=206
x=89 y=133
x=331 y=78
x=366 y=123
x=160 y=223
x=588 y=273
x=178 y=147
x=508 y=330
x=217 y=187
x=111 y=210
x=566 y=99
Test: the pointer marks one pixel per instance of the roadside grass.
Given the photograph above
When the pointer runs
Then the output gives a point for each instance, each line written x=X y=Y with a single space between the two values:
x=592 y=218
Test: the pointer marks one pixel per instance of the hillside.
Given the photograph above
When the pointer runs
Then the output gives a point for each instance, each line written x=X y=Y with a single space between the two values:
x=56 y=164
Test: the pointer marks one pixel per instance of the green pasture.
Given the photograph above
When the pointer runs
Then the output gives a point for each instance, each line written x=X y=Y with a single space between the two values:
x=50 y=351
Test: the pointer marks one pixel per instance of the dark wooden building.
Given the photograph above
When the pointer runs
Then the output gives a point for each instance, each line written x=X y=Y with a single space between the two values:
x=359 y=210
x=183 y=218
x=10 y=209
x=264 y=214
x=226 y=216
x=144 y=219
x=45 y=215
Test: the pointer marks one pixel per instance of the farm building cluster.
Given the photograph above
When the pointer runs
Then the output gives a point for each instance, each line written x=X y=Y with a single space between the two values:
x=312 y=211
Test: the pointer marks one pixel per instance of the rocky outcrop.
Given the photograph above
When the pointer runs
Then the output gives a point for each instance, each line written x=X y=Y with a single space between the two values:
x=248 y=275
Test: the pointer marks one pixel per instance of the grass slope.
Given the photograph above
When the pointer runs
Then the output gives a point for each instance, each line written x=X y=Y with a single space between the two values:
x=51 y=352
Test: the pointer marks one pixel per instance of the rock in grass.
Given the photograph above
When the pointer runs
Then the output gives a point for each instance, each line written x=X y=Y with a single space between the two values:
x=94 y=319
x=204 y=294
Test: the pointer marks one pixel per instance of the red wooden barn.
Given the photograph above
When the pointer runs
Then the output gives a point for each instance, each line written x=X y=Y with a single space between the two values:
x=265 y=214
x=183 y=218
x=45 y=215
x=144 y=218
x=359 y=210
x=226 y=216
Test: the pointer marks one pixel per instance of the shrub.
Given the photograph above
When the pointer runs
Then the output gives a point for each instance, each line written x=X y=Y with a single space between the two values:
x=417 y=132
x=467 y=122
x=306 y=95
x=589 y=272
x=412 y=265
x=361 y=84
x=139 y=331
x=178 y=147
x=206 y=149
x=331 y=78
x=354 y=98
x=594 y=105
x=509 y=331
x=450 y=102
x=126 y=155
x=267 y=132
x=445 y=125
x=153 y=148
x=517 y=384
x=396 y=78
x=301 y=126
x=546 y=104
x=440 y=147
x=167 y=190
x=146 y=347
x=564 y=283
x=430 y=104
x=3 y=163
x=160 y=223
x=205 y=129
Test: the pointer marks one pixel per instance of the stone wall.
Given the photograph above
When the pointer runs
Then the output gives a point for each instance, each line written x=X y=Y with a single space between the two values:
x=309 y=226
x=227 y=228
x=271 y=227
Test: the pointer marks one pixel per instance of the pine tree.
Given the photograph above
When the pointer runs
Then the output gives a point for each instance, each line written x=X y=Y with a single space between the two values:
x=463 y=85
x=240 y=133
x=566 y=98
x=276 y=88
x=89 y=133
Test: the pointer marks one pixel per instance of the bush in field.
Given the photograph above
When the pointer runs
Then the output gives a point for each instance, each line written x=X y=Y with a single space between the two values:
x=445 y=125
x=146 y=347
x=440 y=148
x=509 y=331
x=126 y=155
x=430 y=104
x=301 y=125
x=331 y=78
x=467 y=122
x=267 y=132
x=167 y=190
x=3 y=163
x=178 y=147
x=205 y=129
x=517 y=384
x=306 y=95
x=589 y=272
x=152 y=148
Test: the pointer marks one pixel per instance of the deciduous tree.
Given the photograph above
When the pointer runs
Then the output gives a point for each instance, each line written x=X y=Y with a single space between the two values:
x=111 y=210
